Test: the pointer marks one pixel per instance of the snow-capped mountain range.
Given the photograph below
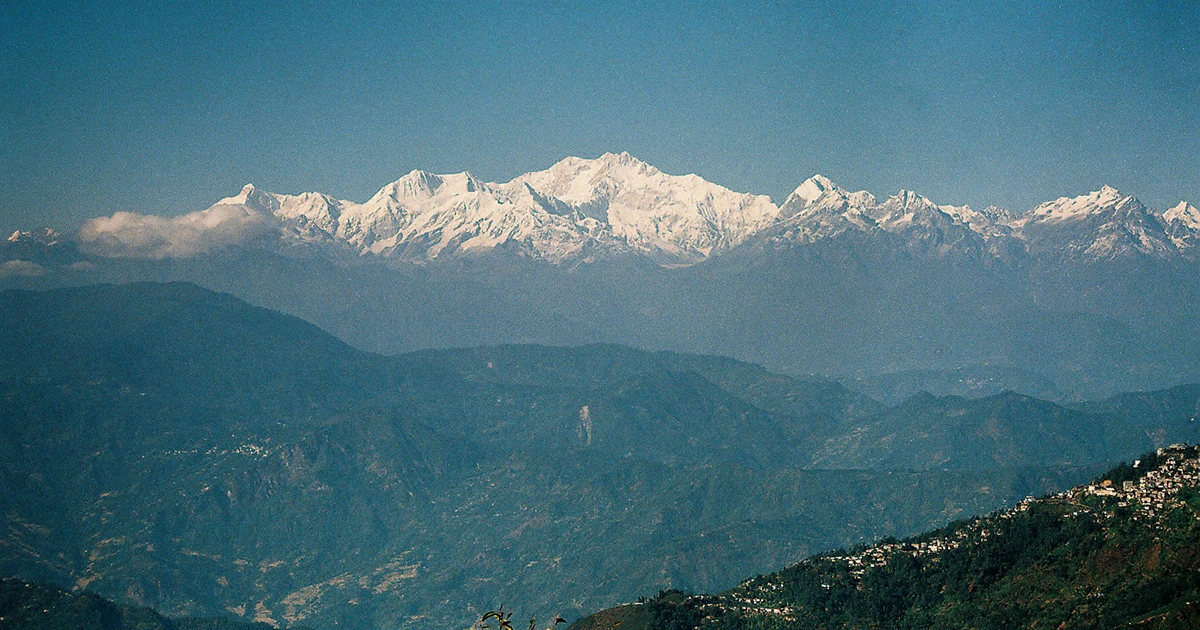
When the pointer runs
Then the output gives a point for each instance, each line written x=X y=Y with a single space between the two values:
x=582 y=209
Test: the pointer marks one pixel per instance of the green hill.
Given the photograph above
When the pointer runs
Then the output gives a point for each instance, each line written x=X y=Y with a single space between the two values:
x=1106 y=555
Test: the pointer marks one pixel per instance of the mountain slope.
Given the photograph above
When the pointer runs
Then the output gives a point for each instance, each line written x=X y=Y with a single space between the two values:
x=1003 y=430
x=174 y=337
x=1106 y=555
x=168 y=446
x=25 y=606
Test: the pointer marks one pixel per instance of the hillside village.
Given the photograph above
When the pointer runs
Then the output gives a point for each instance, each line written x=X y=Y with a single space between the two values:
x=1154 y=492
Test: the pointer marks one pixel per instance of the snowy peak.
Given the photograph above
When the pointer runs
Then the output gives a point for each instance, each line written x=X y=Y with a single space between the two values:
x=45 y=236
x=825 y=207
x=311 y=216
x=581 y=209
x=254 y=198
x=814 y=188
x=1183 y=225
x=424 y=215
x=668 y=217
x=1101 y=225
x=246 y=194
x=1184 y=214
x=579 y=181
x=904 y=207
x=462 y=183
x=417 y=184
x=939 y=230
x=908 y=207
x=818 y=209
x=624 y=159
x=819 y=193
x=1077 y=208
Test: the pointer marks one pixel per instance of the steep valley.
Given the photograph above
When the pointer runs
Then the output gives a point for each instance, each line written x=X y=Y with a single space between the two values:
x=172 y=447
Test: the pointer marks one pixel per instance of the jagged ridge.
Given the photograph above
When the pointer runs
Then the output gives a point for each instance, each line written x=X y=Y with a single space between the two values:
x=585 y=209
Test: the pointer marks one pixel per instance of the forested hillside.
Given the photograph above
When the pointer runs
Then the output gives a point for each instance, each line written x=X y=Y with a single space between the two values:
x=168 y=446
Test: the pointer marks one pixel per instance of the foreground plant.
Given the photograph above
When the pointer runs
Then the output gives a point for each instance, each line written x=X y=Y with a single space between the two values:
x=504 y=620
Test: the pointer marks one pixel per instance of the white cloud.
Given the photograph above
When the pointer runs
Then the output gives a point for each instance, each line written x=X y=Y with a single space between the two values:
x=129 y=235
x=21 y=268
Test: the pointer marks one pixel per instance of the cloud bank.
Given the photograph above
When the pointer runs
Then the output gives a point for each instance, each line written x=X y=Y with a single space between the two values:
x=21 y=268
x=130 y=235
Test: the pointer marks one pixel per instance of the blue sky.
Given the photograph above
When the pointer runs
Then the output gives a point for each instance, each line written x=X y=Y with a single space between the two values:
x=164 y=108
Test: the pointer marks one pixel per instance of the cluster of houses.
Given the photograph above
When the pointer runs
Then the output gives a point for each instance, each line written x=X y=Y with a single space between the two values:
x=748 y=604
x=1152 y=494
x=1155 y=492
x=758 y=600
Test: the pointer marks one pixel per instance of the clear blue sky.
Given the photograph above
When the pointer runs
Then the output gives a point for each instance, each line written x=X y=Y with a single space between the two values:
x=166 y=107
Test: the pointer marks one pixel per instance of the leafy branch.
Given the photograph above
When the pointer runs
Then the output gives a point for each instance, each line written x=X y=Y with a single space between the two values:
x=504 y=621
